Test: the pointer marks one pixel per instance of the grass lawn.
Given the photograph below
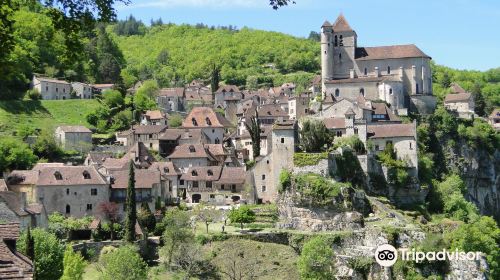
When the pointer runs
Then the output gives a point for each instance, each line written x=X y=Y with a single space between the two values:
x=91 y=272
x=44 y=114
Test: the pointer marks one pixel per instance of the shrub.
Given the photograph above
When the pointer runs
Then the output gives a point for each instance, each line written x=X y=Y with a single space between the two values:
x=122 y=263
x=34 y=94
x=285 y=180
x=316 y=260
x=307 y=159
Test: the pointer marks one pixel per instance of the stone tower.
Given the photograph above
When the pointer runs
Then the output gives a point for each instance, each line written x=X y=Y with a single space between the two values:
x=326 y=55
x=344 y=48
x=349 y=122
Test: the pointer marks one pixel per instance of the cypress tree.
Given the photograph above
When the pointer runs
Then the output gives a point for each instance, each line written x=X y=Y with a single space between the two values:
x=30 y=245
x=130 y=203
x=254 y=130
x=215 y=78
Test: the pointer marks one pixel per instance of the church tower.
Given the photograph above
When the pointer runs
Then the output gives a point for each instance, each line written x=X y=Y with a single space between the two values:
x=326 y=55
x=344 y=48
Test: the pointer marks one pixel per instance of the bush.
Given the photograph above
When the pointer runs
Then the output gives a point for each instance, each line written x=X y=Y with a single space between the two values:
x=122 y=263
x=285 y=180
x=307 y=159
x=34 y=94
x=316 y=189
x=175 y=120
x=316 y=260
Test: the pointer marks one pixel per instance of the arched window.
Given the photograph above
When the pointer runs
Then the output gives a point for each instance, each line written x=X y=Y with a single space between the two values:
x=340 y=56
x=192 y=149
x=341 y=41
x=366 y=71
x=195 y=123
x=86 y=175
x=207 y=120
x=336 y=41
x=390 y=91
x=362 y=91
x=58 y=175
x=210 y=173
x=217 y=141
x=194 y=173
x=68 y=209
x=337 y=92
x=388 y=70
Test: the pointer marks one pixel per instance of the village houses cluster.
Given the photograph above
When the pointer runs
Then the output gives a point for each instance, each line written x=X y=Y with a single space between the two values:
x=364 y=91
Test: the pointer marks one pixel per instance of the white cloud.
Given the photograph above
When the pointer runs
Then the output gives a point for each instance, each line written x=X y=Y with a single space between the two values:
x=197 y=3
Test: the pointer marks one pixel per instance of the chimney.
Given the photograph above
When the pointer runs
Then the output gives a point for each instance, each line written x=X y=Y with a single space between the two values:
x=377 y=73
x=351 y=73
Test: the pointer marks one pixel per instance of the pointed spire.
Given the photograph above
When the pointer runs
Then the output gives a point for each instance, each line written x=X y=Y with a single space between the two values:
x=341 y=24
x=326 y=24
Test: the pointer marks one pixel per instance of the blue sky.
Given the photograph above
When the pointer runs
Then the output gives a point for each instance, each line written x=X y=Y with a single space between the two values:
x=463 y=34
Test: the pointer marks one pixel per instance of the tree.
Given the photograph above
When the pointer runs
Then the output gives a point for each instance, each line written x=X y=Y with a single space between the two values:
x=191 y=259
x=234 y=262
x=175 y=120
x=123 y=263
x=15 y=155
x=315 y=36
x=242 y=215
x=144 y=98
x=314 y=136
x=46 y=146
x=276 y=4
x=254 y=130
x=446 y=80
x=131 y=215
x=316 y=260
x=110 y=212
x=215 y=77
x=113 y=98
x=207 y=214
x=177 y=231
x=49 y=253
x=146 y=218
x=480 y=103
x=30 y=245
x=74 y=265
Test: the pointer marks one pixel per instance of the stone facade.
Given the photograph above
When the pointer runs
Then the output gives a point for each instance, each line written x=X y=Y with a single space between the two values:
x=77 y=138
x=51 y=89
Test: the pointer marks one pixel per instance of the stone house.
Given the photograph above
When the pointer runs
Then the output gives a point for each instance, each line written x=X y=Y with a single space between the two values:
x=173 y=137
x=171 y=175
x=147 y=134
x=155 y=117
x=460 y=102
x=171 y=99
x=227 y=92
x=74 y=137
x=244 y=141
x=189 y=155
x=82 y=90
x=51 y=89
x=14 y=264
x=23 y=181
x=298 y=106
x=99 y=88
x=494 y=119
x=212 y=124
x=71 y=190
x=27 y=215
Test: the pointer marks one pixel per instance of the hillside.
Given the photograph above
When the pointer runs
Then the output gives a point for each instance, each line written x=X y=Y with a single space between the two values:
x=45 y=114
x=183 y=52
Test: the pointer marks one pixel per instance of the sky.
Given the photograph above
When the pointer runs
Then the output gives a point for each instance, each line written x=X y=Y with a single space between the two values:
x=463 y=34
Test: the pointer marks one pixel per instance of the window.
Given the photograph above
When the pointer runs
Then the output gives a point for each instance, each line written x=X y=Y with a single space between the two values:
x=208 y=121
x=282 y=140
x=195 y=123
x=86 y=175
x=377 y=147
x=93 y=191
x=46 y=88
x=337 y=92
x=366 y=71
x=181 y=182
x=263 y=188
x=89 y=207
x=411 y=146
x=57 y=89
x=263 y=176
x=151 y=145
x=340 y=56
x=68 y=209
x=339 y=133
x=58 y=175
x=166 y=170
x=67 y=191
x=208 y=184
x=416 y=89
x=64 y=90
x=388 y=70
x=390 y=91
x=150 y=136
x=195 y=184
x=210 y=173
x=356 y=131
x=362 y=91
x=192 y=149
x=233 y=187
x=336 y=41
x=222 y=186
x=217 y=141
x=194 y=173
x=341 y=41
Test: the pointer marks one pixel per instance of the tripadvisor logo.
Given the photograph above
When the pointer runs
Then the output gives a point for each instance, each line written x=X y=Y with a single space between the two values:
x=386 y=255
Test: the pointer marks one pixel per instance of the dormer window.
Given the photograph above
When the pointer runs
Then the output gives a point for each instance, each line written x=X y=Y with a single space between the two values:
x=390 y=91
x=208 y=121
x=86 y=175
x=194 y=173
x=195 y=123
x=166 y=170
x=58 y=175
x=210 y=173
x=192 y=149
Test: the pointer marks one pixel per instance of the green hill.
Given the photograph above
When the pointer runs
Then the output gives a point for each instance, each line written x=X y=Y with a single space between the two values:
x=45 y=114
x=181 y=53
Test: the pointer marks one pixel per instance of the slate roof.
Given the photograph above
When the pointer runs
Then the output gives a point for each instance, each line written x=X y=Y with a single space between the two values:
x=74 y=129
x=389 y=52
x=391 y=130
x=144 y=178
x=201 y=115
x=457 y=97
x=14 y=265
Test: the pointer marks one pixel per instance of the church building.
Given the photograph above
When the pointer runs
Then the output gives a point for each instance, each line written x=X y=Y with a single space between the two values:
x=395 y=74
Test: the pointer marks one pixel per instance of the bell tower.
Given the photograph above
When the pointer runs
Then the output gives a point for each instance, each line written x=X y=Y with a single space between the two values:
x=326 y=55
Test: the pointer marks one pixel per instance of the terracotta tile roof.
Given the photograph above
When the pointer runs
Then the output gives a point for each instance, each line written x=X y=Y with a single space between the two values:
x=457 y=97
x=171 y=134
x=172 y=92
x=202 y=173
x=334 y=123
x=155 y=115
x=140 y=154
x=9 y=231
x=216 y=149
x=189 y=151
x=115 y=163
x=382 y=109
x=388 y=52
x=34 y=208
x=228 y=88
x=244 y=106
x=232 y=175
x=22 y=177
x=42 y=165
x=14 y=265
x=148 y=129
x=13 y=201
x=166 y=168
x=201 y=117
x=144 y=178
x=70 y=175
x=391 y=130
x=273 y=110
x=341 y=24
x=456 y=88
x=74 y=129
